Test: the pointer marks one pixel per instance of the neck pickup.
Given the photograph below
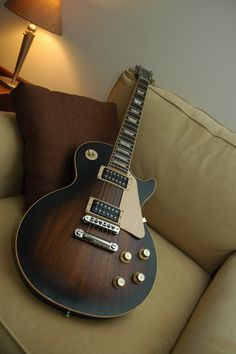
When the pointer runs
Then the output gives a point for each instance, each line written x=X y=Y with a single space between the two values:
x=114 y=177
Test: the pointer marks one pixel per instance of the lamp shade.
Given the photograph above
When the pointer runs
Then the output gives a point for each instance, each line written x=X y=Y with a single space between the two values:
x=44 y=13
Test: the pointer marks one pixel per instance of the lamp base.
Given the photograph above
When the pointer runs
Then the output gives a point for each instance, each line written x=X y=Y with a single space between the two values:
x=7 y=82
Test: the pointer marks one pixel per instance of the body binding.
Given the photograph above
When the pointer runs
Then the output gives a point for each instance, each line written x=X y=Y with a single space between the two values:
x=74 y=275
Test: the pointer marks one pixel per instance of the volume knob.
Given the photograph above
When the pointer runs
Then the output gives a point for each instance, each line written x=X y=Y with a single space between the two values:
x=125 y=257
x=118 y=282
x=144 y=254
x=138 y=278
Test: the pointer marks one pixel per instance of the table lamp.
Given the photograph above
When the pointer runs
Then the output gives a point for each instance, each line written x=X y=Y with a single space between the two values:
x=44 y=13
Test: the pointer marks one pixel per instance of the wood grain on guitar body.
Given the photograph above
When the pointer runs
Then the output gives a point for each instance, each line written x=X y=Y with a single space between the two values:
x=85 y=248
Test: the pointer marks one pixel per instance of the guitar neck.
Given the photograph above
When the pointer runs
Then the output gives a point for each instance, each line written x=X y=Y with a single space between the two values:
x=123 y=150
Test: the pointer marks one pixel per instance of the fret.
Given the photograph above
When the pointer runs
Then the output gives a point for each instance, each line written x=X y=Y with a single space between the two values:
x=126 y=144
x=136 y=106
x=139 y=97
x=122 y=158
x=133 y=115
x=129 y=132
x=128 y=139
x=131 y=126
x=138 y=101
x=123 y=151
x=121 y=165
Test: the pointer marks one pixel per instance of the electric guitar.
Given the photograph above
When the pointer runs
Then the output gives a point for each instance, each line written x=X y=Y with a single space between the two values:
x=85 y=248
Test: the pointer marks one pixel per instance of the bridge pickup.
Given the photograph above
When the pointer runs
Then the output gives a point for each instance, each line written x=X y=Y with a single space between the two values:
x=96 y=241
x=113 y=177
x=101 y=223
x=103 y=209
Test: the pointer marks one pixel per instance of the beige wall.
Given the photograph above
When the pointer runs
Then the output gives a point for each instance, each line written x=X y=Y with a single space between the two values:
x=189 y=45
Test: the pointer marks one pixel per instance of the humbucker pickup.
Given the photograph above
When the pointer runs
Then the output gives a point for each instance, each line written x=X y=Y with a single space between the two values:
x=103 y=209
x=116 y=178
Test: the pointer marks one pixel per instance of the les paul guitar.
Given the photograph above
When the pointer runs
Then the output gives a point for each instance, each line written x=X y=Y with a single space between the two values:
x=85 y=248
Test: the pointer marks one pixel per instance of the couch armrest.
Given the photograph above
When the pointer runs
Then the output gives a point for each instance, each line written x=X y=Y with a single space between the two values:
x=211 y=328
x=11 y=148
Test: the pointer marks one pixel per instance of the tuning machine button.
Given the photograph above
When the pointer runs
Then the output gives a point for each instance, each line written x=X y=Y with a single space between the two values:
x=125 y=257
x=118 y=282
x=138 y=278
x=144 y=254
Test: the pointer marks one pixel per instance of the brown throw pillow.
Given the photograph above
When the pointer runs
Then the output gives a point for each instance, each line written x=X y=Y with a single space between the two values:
x=52 y=125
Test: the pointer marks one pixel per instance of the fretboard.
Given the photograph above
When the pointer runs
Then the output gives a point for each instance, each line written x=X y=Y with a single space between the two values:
x=123 y=150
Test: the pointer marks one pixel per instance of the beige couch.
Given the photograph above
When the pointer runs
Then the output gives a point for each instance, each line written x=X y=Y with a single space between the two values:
x=192 y=306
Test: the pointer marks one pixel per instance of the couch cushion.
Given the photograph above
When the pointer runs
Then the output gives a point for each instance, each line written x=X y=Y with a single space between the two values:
x=212 y=329
x=193 y=158
x=151 y=328
x=53 y=125
x=11 y=168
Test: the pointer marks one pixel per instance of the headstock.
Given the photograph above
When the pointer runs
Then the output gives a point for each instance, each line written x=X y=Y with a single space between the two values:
x=145 y=74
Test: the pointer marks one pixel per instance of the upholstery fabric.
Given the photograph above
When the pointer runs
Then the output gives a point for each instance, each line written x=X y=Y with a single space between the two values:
x=194 y=160
x=187 y=312
x=153 y=327
x=53 y=125
x=212 y=327
x=11 y=169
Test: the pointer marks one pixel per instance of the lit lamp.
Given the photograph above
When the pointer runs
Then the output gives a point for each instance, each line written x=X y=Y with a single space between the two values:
x=44 y=13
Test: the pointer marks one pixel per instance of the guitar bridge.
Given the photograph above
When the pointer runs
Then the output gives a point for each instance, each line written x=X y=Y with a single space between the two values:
x=89 y=219
x=96 y=241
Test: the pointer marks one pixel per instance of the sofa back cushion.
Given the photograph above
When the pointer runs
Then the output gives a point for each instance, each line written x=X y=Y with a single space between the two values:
x=193 y=159
x=11 y=169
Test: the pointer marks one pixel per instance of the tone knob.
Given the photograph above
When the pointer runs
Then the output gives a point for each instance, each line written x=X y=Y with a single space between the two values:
x=118 y=282
x=144 y=254
x=138 y=278
x=125 y=257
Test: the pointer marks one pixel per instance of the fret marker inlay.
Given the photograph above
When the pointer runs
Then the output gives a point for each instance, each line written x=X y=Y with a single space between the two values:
x=137 y=101
x=125 y=143
x=133 y=120
x=123 y=149
x=133 y=110
x=128 y=132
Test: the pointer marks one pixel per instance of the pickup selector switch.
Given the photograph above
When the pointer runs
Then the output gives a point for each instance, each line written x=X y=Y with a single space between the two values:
x=118 y=282
x=125 y=257
x=138 y=278
x=144 y=254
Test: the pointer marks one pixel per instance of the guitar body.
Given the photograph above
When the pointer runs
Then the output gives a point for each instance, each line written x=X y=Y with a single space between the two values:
x=85 y=274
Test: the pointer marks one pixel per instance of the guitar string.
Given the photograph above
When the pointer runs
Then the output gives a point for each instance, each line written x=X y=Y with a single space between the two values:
x=106 y=187
x=107 y=190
